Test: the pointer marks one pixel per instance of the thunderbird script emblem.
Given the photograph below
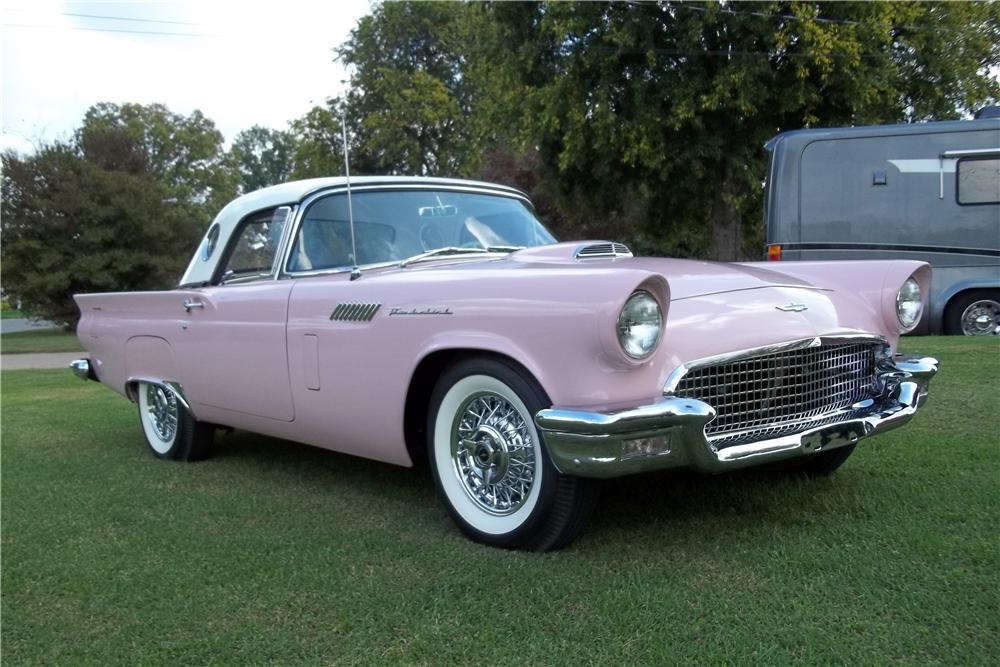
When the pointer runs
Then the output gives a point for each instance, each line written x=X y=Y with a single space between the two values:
x=793 y=307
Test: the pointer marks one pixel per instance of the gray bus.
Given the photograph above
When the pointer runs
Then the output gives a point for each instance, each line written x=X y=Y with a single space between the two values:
x=926 y=191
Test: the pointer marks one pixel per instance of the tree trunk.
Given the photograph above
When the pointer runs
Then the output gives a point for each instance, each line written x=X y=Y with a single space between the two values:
x=726 y=225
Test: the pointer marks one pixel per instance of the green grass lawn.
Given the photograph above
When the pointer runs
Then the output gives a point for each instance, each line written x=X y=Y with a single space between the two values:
x=273 y=552
x=10 y=314
x=39 y=340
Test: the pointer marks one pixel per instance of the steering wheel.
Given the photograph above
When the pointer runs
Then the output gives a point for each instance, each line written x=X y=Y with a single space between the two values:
x=430 y=237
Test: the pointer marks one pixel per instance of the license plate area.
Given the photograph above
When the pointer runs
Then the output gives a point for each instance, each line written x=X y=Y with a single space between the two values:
x=832 y=437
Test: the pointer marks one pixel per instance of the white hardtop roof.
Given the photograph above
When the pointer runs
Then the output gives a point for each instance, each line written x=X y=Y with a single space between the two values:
x=293 y=192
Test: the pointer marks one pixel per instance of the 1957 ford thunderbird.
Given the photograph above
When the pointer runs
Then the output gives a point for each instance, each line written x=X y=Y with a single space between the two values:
x=415 y=317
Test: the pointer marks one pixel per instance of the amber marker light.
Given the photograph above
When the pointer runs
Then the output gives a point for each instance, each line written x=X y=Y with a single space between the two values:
x=774 y=253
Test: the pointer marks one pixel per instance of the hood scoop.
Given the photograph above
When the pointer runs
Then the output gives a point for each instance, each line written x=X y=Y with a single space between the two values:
x=602 y=250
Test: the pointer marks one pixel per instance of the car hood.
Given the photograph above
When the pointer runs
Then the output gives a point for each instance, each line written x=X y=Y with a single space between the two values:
x=716 y=307
x=687 y=278
x=692 y=278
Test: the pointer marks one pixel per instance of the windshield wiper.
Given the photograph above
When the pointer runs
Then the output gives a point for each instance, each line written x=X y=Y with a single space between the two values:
x=454 y=250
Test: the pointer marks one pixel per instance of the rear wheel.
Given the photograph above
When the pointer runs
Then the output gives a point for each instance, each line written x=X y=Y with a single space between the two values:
x=171 y=432
x=975 y=313
x=490 y=464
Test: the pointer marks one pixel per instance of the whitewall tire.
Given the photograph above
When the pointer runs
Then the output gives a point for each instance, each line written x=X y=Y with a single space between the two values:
x=490 y=464
x=170 y=429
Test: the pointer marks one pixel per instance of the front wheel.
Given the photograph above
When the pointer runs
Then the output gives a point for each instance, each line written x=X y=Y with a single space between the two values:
x=170 y=429
x=490 y=465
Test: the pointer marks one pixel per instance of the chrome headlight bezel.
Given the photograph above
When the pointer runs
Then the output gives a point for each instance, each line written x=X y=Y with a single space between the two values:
x=909 y=304
x=639 y=346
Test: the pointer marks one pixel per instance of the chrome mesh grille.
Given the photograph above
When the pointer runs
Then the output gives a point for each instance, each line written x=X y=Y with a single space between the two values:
x=763 y=396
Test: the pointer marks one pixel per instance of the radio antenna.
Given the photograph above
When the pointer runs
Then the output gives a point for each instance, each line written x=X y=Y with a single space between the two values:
x=355 y=271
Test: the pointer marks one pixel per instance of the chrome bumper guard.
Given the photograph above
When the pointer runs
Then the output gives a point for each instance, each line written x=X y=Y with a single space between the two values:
x=670 y=433
x=82 y=369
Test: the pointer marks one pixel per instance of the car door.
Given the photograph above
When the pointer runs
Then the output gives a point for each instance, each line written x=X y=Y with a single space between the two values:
x=232 y=344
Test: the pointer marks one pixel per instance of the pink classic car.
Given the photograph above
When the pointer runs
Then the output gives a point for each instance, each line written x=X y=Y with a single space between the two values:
x=446 y=322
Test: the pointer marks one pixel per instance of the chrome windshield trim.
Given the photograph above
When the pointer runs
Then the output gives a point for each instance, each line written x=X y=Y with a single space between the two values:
x=284 y=242
x=304 y=205
x=678 y=373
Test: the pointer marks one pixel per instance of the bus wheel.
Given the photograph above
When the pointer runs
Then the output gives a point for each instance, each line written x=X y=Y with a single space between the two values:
x=975 y=313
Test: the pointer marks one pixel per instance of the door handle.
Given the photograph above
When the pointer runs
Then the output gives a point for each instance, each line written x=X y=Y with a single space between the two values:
x=191 y=303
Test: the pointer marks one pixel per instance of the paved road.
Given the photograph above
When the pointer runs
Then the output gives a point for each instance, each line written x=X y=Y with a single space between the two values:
x=15 y=324
x=15 y=362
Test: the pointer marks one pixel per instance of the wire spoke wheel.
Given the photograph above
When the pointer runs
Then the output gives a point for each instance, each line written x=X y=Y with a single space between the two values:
x=490 y=463
x=171 y=431
x=493 y=453
x=162 y=412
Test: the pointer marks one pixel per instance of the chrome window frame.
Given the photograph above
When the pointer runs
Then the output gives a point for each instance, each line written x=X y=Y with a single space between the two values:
x=303 y=206
x=278 y=252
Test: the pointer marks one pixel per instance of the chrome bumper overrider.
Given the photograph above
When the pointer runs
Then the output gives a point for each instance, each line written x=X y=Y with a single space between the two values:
x=670 y=433
x=81 y=368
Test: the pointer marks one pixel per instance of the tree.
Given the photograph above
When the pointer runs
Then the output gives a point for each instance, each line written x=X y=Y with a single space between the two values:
x=260 y=157
x=71 y=226
x=318 y=145
x=184 y=153
x=655 y=115
x=119 y=207
x=409 y=104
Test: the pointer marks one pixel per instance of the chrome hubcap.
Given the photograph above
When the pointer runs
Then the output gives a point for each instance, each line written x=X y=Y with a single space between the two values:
x=493 y=453
x=981 y=318
x=162 y=412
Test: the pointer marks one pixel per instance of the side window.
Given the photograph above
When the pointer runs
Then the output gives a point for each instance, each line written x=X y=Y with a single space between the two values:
x=255 y=248
x=324 y=237
x=978 y=181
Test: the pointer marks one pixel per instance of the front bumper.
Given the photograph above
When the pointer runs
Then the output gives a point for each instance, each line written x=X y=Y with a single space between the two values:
x=670 y=433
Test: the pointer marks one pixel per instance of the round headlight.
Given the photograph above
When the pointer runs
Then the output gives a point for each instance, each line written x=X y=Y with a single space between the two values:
x=640 y=325
x=909 y=305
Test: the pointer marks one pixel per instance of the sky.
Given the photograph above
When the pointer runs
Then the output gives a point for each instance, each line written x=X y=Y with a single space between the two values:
x=241 y=63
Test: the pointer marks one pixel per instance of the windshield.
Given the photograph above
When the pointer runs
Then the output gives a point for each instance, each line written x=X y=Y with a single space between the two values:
x=394 y=226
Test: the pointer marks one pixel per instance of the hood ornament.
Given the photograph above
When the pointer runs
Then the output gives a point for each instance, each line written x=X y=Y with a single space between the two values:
x=793 y=308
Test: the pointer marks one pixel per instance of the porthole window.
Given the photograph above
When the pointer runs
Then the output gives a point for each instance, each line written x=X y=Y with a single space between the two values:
x=208 y=245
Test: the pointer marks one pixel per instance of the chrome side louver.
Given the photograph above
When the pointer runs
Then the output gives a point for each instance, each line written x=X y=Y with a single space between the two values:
x=355 y=312
x=602 y=250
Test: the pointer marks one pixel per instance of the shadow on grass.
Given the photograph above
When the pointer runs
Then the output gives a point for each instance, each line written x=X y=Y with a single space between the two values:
x=680 y=500
x=277 y=461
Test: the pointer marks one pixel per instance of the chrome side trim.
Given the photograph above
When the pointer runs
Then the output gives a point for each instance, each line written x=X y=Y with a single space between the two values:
x=174 y=388
x=670 y=433
x=675 y=376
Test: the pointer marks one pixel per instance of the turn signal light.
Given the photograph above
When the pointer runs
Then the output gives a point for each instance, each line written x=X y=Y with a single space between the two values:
x=774 y=253
x=654 y=446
